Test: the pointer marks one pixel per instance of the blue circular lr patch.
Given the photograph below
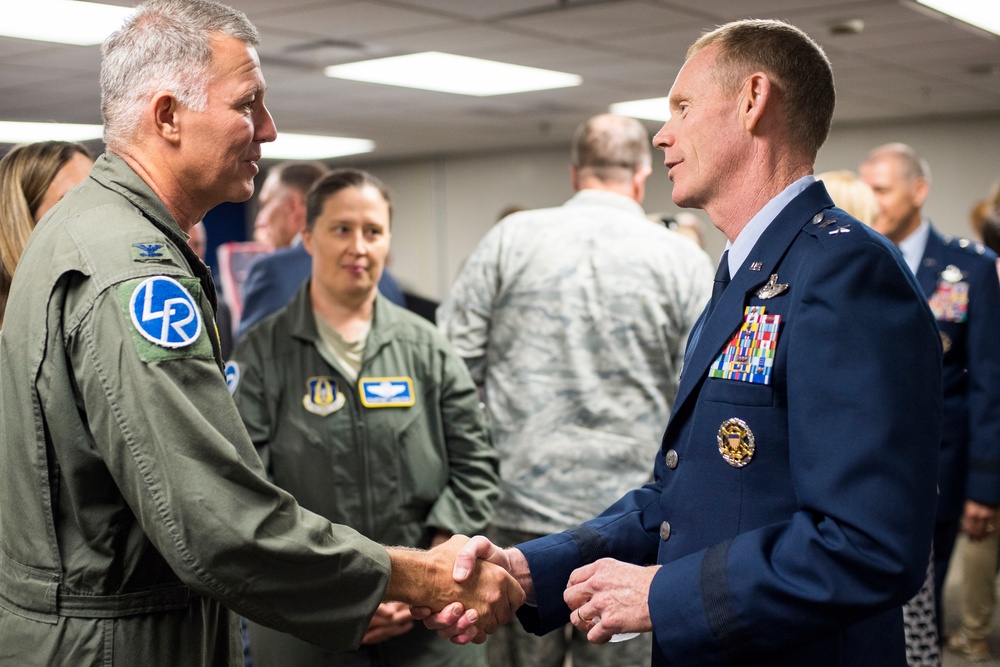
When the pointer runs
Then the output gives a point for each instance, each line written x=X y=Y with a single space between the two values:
x=165 y=313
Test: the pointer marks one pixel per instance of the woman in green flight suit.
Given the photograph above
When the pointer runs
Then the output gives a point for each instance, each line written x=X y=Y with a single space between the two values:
x=361 y=411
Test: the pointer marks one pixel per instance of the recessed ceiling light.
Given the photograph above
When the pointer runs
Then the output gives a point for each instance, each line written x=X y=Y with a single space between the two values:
x=314 y=147
x=447 y=73
x=64 y=21
x=980 y=13
x=12 y=132
x=656 y=108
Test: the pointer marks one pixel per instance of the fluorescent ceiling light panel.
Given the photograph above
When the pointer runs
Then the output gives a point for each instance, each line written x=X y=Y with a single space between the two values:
x=656 y=108
x=314 y=147
x=983 y=14
x=22 y=133
x=447 y=73
x=64 y=21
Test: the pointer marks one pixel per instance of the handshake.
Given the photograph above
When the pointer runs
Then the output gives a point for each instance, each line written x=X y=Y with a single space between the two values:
x=466 y=588
x=470 y=584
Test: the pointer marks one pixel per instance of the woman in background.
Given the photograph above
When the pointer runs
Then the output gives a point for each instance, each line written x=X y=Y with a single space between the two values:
x=360 y=410
x=33 y=177
x=851 y=194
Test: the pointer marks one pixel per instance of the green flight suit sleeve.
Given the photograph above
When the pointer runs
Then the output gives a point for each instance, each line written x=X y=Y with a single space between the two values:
x=175 y=445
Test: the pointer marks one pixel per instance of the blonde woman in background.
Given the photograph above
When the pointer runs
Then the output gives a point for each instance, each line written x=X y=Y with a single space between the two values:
x=851 y=194
x=33 y=177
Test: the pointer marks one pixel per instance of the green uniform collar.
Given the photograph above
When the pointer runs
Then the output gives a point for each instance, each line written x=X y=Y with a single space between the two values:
x=115 y=174
x=302 y=321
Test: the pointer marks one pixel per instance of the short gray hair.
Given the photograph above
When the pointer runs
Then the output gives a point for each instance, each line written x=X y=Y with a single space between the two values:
x=164 y=45
x=611 y=147
x=911 y=165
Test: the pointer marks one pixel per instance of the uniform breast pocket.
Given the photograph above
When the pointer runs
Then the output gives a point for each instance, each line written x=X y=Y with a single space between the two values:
x=737 y=392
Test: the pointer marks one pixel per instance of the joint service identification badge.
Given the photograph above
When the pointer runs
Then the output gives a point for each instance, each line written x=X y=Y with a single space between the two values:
x=736 y=442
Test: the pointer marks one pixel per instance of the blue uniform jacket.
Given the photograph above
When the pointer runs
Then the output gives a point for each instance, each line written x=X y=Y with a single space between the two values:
x=966 y=302
x=804 y=555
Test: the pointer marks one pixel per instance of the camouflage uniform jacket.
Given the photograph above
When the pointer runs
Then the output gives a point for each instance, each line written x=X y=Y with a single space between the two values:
x=133 y=508
x=575 y=320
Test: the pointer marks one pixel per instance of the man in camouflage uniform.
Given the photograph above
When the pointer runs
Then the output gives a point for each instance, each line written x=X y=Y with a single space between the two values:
x=134 y=512
x=574 y=319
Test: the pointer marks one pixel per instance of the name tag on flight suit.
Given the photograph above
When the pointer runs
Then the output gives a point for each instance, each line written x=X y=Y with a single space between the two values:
x=393 y=392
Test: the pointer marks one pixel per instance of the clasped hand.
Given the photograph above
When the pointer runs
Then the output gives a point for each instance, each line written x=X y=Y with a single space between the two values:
x=608 y=597
x=605 y=597
x=483 y=596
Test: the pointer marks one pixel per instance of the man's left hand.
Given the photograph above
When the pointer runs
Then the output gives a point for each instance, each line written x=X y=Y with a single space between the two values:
x=391 y=620
x=979 y=520
x=609 y=597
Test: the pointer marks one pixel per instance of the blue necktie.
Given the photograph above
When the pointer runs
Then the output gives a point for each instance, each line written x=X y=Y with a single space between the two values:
x=721 y=280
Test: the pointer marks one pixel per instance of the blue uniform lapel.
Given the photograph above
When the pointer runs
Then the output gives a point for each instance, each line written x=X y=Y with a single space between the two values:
x=720 y=326
x=930 y=264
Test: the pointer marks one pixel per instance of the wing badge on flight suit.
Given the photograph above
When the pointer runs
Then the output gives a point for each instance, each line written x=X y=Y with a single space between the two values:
x=391 y=392
x=323 y=397
x=736 y=442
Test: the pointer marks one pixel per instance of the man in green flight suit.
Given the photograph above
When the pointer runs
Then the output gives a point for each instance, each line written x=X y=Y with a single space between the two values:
x=134 y=513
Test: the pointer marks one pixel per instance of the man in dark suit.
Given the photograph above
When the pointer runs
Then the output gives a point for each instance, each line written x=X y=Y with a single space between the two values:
x=794 y=490
x=959 y=279
x=274 y=279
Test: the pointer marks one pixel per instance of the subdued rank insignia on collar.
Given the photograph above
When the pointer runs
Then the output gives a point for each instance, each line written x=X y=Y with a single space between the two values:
x=150 y=252
x=232 y=372
x=771 y=288
x=322 y=396
x=736 y=442
x=749 y=356
x=951 y=274
x=391 y=392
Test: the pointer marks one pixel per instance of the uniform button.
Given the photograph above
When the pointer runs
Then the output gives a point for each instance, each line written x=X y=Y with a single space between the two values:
x=671 y=457
x=665 y=531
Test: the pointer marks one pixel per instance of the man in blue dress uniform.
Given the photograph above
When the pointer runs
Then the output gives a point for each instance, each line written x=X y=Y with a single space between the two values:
x=959 y=279
x=794 y=490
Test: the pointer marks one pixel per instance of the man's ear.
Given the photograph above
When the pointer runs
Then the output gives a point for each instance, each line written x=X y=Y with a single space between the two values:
x=754 y=99
x=639 y=182
x=167 y=116
x=921 y=188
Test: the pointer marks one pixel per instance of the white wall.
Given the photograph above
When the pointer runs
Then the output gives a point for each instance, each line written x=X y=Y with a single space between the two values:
x=444 y=206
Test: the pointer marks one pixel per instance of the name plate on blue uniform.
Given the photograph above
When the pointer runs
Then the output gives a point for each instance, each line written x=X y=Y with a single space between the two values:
x=394 y=392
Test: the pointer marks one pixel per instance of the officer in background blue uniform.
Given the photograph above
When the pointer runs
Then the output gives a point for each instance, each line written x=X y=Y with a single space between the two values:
x=794 y=490
x=959 y=279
